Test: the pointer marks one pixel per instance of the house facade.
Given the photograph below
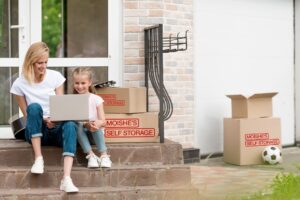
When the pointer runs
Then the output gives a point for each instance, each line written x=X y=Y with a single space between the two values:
x=234 y=47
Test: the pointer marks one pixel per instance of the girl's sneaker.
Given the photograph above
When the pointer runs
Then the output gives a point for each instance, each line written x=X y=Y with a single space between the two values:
x=92 y=161
x=105 y=161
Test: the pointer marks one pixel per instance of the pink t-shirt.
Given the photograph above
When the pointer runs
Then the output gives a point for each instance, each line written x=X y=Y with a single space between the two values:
x=94 y=102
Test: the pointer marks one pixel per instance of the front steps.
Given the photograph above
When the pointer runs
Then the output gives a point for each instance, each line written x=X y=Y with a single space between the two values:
x=148 y=171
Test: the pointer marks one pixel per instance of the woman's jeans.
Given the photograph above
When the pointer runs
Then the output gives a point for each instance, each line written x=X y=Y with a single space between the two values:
x=84 y=142
x=64 y=134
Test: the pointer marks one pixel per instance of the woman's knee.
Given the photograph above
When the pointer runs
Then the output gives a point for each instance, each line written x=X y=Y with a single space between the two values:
x=70 y=124
x=34 y=108
x=70 y=128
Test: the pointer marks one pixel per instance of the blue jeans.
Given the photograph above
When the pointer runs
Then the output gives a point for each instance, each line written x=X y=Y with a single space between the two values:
x=64 y=134
x=84 y=142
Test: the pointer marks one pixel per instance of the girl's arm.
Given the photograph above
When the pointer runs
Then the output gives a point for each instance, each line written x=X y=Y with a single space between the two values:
x=22 y=104
x=99 y=123
x=101 y=115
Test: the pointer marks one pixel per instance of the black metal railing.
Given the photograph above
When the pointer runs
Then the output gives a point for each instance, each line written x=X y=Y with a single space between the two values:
x=155 y=46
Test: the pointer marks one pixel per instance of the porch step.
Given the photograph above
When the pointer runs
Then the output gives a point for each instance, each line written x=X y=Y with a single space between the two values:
x=103 y=193
x=121 y=154
x=147 y=175
x=148 y=171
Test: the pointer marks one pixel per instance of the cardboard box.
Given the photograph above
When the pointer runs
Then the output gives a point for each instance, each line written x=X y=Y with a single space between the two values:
x=245 y=139
x=123 y=100
x=257 y=105
x=141 y=127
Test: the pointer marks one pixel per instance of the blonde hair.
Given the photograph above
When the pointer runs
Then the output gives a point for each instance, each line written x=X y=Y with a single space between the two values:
x=34 y=53
x=84 y=71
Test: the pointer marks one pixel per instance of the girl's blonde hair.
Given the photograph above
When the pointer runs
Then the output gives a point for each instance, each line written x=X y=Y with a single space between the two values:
x=34 y=53
x=84 y=71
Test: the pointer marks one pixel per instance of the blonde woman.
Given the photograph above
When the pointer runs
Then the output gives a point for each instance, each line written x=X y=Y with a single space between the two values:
x=32 y=90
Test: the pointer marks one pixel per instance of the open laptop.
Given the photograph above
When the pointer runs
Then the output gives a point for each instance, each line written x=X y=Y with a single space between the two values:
x=69 y=107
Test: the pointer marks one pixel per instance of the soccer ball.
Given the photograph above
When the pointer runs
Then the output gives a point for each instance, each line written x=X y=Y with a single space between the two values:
x=272 y=155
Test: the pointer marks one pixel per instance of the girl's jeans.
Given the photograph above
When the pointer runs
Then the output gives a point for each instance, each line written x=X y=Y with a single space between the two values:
x=83 y=139
x=64 y=134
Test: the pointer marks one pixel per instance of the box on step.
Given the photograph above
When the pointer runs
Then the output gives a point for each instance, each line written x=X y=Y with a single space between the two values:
x=138 y=127
x=123 y=100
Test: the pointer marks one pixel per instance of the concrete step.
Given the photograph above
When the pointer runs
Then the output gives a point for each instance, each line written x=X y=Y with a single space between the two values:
x=103 y=193
x=19 y=153
x=118 y=176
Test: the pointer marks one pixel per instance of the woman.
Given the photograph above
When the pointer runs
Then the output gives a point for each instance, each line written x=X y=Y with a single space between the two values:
x=32 y=90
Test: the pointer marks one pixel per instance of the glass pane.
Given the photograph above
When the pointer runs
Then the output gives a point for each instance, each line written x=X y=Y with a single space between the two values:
x=8 y=106
x=100 y=75
x=75 y=28
x=52 y=22
x=9 y=47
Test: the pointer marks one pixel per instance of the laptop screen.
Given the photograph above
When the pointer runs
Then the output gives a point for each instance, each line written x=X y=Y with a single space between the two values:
x=69 y=107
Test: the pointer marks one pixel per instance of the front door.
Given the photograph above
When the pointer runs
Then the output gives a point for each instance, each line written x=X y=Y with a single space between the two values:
x=78 y=33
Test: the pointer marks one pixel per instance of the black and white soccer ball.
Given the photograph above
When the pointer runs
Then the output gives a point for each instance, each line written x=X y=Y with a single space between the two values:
x=272 y=155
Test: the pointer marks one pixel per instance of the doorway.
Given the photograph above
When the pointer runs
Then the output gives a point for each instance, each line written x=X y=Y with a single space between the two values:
x=78 y=33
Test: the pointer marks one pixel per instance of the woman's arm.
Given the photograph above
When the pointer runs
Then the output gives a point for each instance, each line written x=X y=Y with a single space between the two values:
x=59 y=90
x=22 y=104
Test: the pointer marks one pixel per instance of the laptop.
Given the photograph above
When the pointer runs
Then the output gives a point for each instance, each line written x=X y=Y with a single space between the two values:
x=69 y=107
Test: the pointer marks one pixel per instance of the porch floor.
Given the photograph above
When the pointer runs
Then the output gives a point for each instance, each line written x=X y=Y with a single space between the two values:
x=217 y=180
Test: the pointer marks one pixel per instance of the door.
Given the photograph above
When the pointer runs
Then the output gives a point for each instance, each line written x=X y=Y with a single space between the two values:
x=78 y=33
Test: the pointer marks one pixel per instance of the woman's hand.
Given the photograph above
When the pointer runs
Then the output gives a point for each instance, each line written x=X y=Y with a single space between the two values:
x=48 y=123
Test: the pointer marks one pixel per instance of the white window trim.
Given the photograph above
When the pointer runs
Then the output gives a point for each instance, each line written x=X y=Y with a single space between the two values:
x=115 y=38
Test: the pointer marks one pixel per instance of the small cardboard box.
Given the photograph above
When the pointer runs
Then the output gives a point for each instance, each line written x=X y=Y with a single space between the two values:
x=141 y=127
x=257 y=105
x=245 y=139
x=123 y=100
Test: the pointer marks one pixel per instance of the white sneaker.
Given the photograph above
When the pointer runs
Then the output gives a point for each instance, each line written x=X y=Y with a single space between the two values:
x=105 y=161
x=92 y=161
x=38 y=166
x=67 y=185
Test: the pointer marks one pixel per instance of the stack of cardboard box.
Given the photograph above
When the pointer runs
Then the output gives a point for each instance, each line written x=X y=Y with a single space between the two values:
x=126 y=115
x=251 y=129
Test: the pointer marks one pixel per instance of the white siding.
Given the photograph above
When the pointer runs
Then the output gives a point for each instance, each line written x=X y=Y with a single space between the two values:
x=245 y=47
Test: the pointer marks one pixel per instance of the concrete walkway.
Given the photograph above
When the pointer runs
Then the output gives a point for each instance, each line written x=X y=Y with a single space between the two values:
x=217 y=180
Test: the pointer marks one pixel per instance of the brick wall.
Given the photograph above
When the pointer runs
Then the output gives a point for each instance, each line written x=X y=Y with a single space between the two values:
x=176 y=16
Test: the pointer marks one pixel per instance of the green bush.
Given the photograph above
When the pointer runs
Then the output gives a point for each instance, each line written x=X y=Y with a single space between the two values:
x=52 y=24
x=285 y=186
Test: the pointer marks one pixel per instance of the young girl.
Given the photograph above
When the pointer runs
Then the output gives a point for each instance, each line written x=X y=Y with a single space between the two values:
x=82 y=84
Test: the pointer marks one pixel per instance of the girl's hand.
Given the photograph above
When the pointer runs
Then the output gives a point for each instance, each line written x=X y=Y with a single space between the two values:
x=90 y=126
x=48 y=123
x=94 y=125
x=99 y=123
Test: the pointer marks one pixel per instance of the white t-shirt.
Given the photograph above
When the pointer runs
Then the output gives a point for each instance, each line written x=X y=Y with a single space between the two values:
x=38 y=92
x=94 y=102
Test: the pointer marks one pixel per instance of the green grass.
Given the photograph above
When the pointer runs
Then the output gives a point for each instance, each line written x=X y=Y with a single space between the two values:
x=285 y=186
